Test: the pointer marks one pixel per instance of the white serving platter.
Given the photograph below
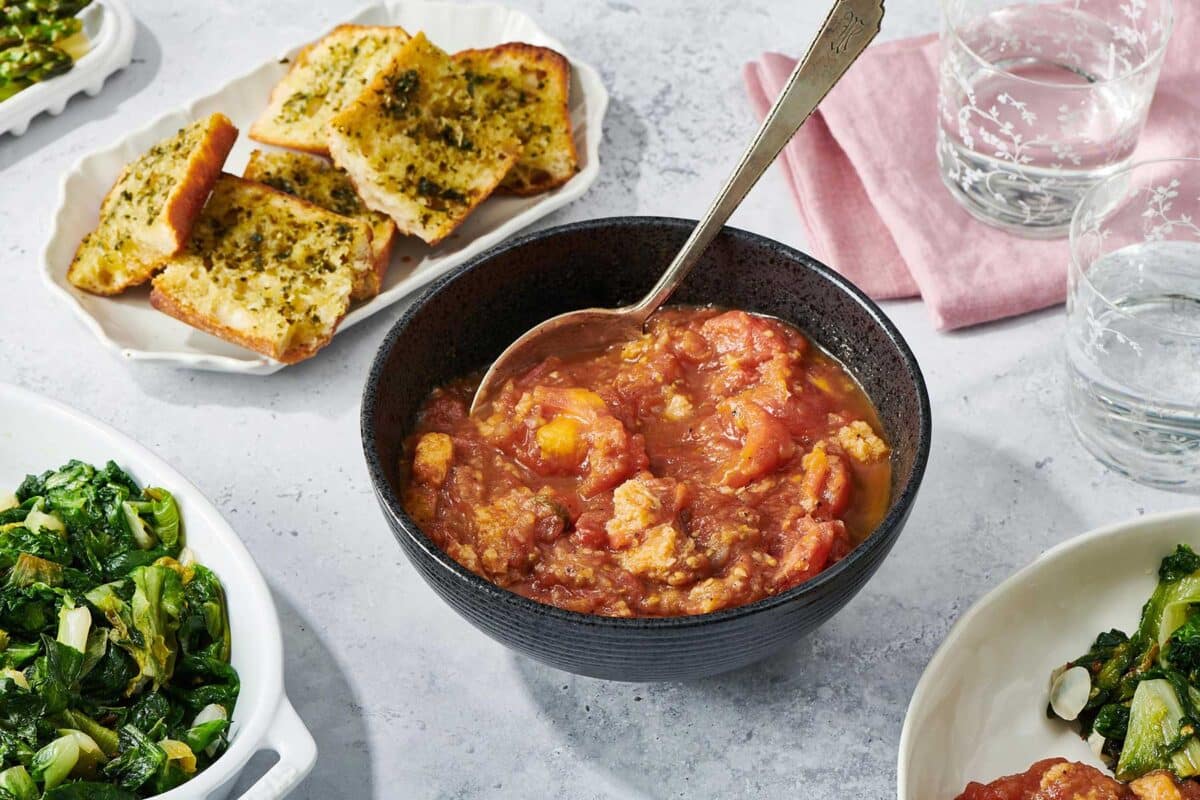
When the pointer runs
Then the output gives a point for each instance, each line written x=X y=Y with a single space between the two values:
x=110 y=30
x=37 y=434
x=129 y=326
x=979 y=710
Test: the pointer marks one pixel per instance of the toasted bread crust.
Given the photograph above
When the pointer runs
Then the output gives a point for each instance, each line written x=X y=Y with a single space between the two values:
x=168 y=232
x=269 y=130
x=181 y=311
x=383 y=257
x=558 y=76
x=203 y=171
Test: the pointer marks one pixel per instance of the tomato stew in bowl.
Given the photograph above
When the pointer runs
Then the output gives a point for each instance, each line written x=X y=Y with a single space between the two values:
x=464 y=321
x=716 y=460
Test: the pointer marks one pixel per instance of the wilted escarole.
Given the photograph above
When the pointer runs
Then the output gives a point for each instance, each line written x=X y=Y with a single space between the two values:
x=1141 y=709
x=115 y=682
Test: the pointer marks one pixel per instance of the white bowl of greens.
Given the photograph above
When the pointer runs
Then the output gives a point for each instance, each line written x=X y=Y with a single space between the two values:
x=141 y=653
x=980 y=710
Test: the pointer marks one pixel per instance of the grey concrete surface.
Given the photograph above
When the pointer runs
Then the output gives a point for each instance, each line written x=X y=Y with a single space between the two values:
x=405 y=699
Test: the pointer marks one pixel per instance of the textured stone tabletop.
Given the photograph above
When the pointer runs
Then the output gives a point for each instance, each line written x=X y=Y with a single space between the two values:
x=404 y=698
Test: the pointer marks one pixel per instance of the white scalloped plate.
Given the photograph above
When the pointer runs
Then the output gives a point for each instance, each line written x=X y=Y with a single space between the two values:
x=129 y=326
x=110 y=30
x=979 y=710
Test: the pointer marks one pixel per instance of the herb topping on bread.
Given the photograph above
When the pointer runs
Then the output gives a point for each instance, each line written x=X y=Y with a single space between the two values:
x=325 y=77
x=529 y=86
x=316 y=180
x=419 y=147
x=266 y=270
x=149 y=212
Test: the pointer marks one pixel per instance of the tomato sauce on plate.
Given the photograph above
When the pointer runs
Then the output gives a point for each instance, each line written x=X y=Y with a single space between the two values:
x=1059 y=779
x=718 y=459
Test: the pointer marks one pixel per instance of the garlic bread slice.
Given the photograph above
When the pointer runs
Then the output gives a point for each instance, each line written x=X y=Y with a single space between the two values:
x=265 y=270
x=530 y=87
x=325 y=77
x=314 y=179
x=149 y=212
x=419 y=147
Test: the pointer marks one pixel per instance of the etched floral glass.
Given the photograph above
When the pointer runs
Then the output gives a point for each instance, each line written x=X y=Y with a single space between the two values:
x=1133 y=323
x=1040 y=100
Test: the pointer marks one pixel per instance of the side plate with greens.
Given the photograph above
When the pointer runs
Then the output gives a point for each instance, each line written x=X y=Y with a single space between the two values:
x=37 y=432
x=115 y=679
x=980 y=708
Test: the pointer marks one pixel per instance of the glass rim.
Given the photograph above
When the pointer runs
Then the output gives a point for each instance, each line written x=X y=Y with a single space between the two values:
x=1075 y=234
x=1153 y=57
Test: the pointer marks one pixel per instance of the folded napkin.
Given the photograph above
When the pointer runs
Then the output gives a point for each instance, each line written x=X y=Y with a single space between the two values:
x=865 y=177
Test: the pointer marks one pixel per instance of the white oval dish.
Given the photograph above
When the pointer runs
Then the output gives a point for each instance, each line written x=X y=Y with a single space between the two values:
x=110 y=29
x=38 y=434
x=129 y=326
x=979 y=710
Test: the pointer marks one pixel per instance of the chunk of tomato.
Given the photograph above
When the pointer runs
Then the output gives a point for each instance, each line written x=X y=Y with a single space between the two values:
x=765 y=440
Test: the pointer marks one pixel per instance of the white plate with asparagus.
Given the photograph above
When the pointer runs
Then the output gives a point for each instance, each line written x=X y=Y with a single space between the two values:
x=50 y=51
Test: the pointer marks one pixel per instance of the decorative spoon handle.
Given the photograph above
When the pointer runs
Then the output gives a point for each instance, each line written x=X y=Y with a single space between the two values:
x=849 y=28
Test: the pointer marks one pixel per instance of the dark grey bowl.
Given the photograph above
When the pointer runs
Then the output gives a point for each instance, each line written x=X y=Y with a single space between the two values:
x=466 y=319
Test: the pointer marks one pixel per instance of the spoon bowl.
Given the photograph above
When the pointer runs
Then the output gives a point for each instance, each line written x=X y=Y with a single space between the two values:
x=587 y=331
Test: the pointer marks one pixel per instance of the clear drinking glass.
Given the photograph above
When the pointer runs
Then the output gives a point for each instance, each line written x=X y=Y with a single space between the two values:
x=1040 y=99
x=1133 y=323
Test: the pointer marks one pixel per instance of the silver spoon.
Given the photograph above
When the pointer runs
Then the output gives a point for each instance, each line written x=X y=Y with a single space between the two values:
x=849 y=28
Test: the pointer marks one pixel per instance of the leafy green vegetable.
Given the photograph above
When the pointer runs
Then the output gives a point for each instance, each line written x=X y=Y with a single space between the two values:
x=55 y=674
x=115 y=681
x=19 y=653
x=31 y=570
x=139 y=761
x=1178 y=565
x=53 y=763
x=154 y=715
x=16 y=783
x=105 y=738
x=209 y=729
x=74 y=625
x=206 y=621
x=180 y=765
x=157 y=604
x=88 y=790
x=91 y=757
x=206 y=735
x=39 y=32
x=1112 y=721
x=1156 y=738
x=213 y=680
x=1144 y=700
x=1182 y=649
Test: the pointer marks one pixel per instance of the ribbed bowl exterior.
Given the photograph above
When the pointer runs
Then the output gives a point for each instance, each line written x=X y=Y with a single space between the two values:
x=467 y=319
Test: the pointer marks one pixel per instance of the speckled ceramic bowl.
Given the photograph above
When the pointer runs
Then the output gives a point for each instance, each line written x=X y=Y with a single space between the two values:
x=464 y=321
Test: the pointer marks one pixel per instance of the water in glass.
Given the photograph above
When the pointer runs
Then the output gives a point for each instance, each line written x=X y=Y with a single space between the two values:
x=1133 y=341
x=1039 y=101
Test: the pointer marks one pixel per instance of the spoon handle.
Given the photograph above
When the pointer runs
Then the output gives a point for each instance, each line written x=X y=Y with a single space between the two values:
x=849 y=28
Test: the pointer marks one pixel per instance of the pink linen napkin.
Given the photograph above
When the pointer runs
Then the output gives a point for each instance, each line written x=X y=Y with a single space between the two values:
x=865 y=177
